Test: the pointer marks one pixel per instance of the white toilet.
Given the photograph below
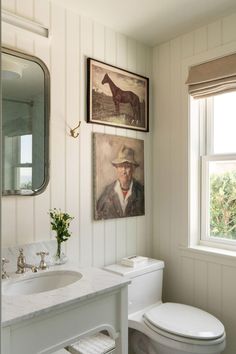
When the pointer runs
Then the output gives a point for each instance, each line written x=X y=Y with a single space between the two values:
x=165 y=328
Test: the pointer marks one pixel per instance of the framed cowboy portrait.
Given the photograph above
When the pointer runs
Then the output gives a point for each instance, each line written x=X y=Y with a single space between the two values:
x=117 y=97
x=118 y=176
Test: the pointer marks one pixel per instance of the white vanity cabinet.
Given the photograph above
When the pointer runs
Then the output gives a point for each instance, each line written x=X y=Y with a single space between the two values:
x=45 y=322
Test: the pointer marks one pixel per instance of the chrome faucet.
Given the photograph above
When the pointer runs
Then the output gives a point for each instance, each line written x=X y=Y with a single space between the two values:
x=22 y=265
x=42 y=265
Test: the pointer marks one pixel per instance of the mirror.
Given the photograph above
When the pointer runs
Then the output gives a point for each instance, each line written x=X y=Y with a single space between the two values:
x=25 y=124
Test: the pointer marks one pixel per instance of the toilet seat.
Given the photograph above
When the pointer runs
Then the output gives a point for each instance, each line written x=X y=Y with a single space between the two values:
x=184 y=323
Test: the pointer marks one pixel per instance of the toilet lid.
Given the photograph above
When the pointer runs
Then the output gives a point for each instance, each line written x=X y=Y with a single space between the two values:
x=185 y=321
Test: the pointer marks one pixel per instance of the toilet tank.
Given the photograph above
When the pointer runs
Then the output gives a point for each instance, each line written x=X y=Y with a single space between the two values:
x=146 y=283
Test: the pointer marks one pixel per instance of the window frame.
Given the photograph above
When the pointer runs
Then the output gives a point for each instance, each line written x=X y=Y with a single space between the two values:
x=206 y=155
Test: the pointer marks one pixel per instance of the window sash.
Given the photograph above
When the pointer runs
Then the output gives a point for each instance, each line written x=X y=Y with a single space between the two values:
x=205 y=237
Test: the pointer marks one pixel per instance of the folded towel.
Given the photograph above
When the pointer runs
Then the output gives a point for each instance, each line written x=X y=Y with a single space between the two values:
x=95 y=344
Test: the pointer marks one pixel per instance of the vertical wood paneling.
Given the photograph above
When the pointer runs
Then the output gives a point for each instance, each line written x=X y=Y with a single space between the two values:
x=176 y=130
x=58 y=126
x=25 y=8
x=8 y=36
x=187 y=50
x=42 y=12
x=187 y=280
x=187 y=45
x=120 y=239
x=228 y=28
x=8 y=229
x=131 y=229
x=200 y=40
x=25 y=44
x=98 y=41
x=121 y=51
x=214 y=34
x=156 y=151
x=214 y=283
x=148 y=231
x=132 y=56
x=25 y=220
x=9 y=5
x=228 y=289
x=110 y=241
x=200 y=284
x=163 y=158
x=85 y=191
x=110 y=46
x=72 y=120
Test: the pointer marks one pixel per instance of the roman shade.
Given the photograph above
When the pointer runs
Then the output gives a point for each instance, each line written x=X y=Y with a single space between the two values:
x=213 y=77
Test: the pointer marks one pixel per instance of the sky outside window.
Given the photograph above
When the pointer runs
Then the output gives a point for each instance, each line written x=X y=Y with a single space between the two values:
x=225 y=123
x=26 y=149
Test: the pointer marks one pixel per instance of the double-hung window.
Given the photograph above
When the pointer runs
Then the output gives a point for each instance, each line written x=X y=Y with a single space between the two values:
x=218 y=170
x=213 y=153
x=23 y=168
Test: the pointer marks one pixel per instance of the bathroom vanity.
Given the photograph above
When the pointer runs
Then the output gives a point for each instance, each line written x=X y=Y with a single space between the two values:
x=43 y=322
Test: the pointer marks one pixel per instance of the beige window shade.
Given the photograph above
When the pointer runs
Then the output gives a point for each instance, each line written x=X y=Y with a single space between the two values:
x=212 y=78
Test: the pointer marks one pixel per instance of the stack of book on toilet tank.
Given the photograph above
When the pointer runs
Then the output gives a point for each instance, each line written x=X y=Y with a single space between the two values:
x=133 y=261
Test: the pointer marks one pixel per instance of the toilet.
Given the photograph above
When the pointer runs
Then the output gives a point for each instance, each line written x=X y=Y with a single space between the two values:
x=165 y=328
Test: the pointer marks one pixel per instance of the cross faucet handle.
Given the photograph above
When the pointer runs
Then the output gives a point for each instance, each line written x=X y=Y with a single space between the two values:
x=42 y=265
x=4 y=273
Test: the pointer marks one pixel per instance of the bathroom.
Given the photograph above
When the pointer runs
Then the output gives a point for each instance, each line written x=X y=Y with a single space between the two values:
x=192 y=276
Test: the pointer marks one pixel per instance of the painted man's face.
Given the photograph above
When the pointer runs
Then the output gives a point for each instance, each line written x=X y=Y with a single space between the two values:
x=125 y=174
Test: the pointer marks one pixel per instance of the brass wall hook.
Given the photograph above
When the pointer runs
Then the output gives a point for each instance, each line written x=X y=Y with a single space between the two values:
x=73 y=132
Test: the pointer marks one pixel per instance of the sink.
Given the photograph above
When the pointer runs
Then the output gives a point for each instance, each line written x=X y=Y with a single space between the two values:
x=41 y=282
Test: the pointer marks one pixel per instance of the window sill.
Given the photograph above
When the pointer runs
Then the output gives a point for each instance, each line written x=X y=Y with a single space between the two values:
x=205 y=253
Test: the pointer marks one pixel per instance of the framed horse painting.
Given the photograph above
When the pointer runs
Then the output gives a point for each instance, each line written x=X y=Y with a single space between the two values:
x=117 y=97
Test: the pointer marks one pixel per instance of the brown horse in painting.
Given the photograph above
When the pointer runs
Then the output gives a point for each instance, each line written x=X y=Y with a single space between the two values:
x=120 y=96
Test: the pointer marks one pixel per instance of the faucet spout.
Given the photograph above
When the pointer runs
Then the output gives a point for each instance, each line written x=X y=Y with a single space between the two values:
x=33 y=267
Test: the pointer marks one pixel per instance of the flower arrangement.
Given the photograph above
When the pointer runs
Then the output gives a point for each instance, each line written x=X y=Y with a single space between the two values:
x=60 y=223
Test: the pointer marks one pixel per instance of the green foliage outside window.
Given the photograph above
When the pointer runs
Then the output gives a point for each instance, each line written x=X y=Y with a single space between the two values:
x=223 y=205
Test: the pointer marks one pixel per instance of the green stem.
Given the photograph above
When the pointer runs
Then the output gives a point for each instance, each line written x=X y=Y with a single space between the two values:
x=58 y=249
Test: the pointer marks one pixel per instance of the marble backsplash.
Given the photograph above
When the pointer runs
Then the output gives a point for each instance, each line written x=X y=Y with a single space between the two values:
x=30 y=250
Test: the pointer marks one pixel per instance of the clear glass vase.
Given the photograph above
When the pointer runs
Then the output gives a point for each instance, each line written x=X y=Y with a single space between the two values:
x=59 y=257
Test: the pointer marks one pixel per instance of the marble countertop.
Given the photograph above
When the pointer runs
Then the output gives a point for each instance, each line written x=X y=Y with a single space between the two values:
x=95 y=281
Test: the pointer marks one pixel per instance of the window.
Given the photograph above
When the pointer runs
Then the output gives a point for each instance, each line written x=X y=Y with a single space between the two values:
x=23 y=168
x=212 y=153
x=217 y=146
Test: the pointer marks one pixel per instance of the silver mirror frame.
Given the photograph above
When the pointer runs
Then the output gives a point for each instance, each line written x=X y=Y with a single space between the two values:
x=38 y=61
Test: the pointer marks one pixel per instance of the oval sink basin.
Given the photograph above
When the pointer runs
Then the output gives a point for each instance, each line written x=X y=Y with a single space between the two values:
x=41 y=282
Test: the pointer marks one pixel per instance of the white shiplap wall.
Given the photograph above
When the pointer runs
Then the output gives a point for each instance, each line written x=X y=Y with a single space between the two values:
x=25 y=219
x=203 y=280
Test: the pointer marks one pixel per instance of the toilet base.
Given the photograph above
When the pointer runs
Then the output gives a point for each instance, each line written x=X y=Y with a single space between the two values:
x=139 y=343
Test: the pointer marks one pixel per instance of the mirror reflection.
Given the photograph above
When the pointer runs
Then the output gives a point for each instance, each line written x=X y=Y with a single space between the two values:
x=25 y=123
